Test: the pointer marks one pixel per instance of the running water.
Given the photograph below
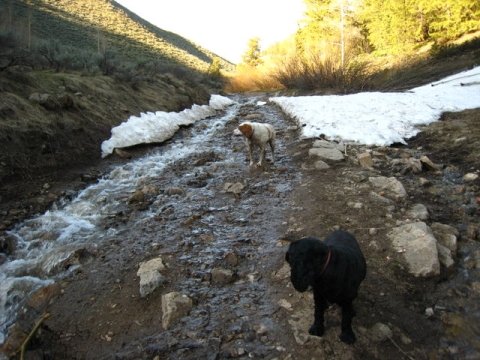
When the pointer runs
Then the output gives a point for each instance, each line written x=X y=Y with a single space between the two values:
x=46 y=246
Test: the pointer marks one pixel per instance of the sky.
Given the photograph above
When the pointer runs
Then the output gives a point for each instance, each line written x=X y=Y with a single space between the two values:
x=369 y=118
x=223 y=26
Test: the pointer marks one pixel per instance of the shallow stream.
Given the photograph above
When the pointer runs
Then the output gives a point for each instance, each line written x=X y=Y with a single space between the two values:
x=47 y=246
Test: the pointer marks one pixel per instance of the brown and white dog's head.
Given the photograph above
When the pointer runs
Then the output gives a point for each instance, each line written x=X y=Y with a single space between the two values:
x=246 y=129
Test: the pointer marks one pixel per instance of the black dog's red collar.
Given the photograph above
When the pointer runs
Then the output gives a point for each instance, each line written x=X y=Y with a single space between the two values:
x=326 y=263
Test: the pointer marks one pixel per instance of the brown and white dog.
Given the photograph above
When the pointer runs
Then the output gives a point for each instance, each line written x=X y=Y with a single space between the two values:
x=258 y=134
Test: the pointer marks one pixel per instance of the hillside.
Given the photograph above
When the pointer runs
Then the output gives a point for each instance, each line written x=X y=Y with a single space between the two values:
x=97 y=25
x=53 y=119
x=51 y=123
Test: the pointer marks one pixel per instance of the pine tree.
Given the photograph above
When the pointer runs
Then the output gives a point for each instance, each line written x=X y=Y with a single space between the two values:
x=251 y=56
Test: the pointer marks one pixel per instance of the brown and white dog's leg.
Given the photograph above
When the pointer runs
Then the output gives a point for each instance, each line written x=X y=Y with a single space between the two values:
x=272 y=146
x=263 y=150
x=249 y=146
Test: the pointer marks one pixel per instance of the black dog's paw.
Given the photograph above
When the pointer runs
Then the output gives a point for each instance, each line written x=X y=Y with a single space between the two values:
x=348 y=337
x=317 y=330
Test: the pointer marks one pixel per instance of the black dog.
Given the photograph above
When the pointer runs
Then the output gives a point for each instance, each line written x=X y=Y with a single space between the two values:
x=334 y=268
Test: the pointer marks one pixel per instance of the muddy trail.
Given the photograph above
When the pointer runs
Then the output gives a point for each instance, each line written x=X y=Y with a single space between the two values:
x=216 y=231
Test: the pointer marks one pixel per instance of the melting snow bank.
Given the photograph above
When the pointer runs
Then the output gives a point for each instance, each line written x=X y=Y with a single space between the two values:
x=160 y=126
x=375 y=118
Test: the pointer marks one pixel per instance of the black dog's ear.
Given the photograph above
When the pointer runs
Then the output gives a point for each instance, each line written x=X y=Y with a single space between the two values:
x=287 y=257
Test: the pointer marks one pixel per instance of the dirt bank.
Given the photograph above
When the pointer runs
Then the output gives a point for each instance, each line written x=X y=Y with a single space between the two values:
x=52 y=124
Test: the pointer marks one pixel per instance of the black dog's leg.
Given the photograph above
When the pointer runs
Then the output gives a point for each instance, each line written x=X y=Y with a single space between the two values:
x=347 y=335
x=318 y=327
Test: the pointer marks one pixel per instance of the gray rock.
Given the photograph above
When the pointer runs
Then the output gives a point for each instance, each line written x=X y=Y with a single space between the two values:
x=446 y=235
x=419 y=247
x=328 y=145
x=381 y=332
x=418 y=212
x=321 y=165
x=445 y=257
x=150 y=281
x=389 y=187
x=326 y=154
x=428 y=164
x=235 y=188
x=150 y=277
x=380 y=199
x=365 y=160
x=423 y=181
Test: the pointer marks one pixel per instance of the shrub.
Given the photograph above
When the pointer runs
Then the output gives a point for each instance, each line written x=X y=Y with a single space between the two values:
x=12 y=53
x=446 y=50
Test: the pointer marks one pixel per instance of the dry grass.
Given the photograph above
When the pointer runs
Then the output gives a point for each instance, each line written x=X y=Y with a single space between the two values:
x=251 y=79
x=320 y=73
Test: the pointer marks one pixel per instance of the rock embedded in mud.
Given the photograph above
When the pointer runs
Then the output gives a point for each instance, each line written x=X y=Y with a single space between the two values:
x=150 y=281
x=123 y=154
x=137 y=197
x=285 y=304
x=328 y=145
x=419 y=247
x=423 y=182
x=445 y=257
x=326 y=154
x=150 y=277
x=470 y=177
x=42 y=298
x=390 y=187
x=446 y=235
x=15 y=340
x=174 y=191
x=428 y=164
x=321 y=165
x=418 y=212
x=412 y=165
x=472 y=232
x=235 y=188
x=222 y=276
x=365 y=160
x=174 y=307
x=231 y=257
x=381 y=332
